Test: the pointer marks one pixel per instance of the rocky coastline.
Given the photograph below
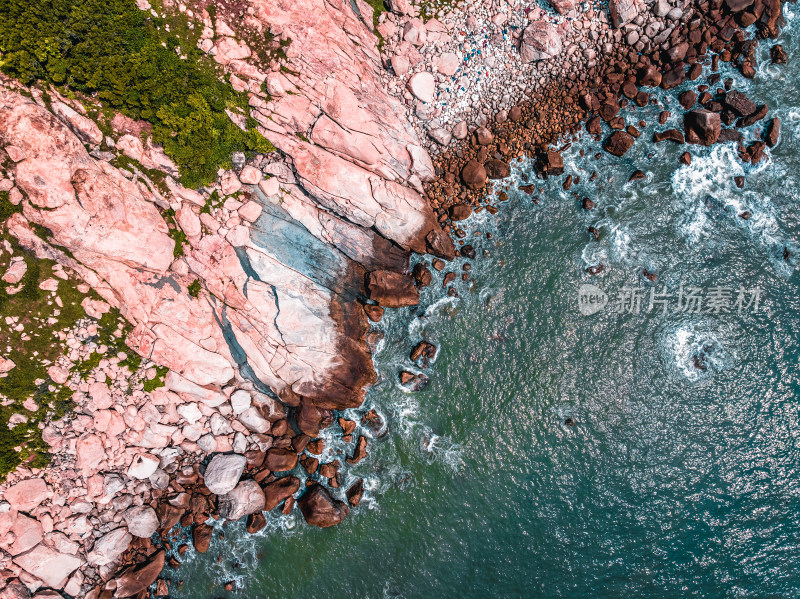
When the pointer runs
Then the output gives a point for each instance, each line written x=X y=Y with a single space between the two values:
x=295 y=253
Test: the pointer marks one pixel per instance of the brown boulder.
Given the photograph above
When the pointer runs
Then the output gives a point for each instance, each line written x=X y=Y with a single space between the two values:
x=483 y=136
x=649 y=76
x=474 y=175
x=256 y=522
x=673 y=78
x=702 y=127
x=739 y=103
x=550 y=163
x=360 y=451
x=280 y=460
x=497 y=169
x=308 y=418
x=773 y=132
x=422 y=275
x=392 y=289
x=319 y=508
x=279 y=490
x=374 y=312
x=355 y=492
x=201 y=537
x=669 y=134
x=618 y=143
x=137 y=578
x=460 y=212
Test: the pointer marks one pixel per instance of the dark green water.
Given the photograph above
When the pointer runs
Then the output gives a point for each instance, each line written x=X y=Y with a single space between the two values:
x=674 y=482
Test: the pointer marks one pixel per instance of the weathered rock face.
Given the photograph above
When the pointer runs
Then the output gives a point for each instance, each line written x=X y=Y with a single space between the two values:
x=392 y=290
x=223 y=473
x=247 y=498
x=540 y=41
x=320 y=508
x=136 y=579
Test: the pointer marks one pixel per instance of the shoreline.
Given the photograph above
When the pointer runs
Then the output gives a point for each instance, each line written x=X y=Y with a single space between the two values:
x=450 y=200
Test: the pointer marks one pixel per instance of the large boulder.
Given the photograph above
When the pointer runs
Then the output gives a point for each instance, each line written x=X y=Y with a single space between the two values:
x=423 y=86
x=108 y=548
x=562 y=7
x=142 y=521
x=392 y=289
x=474 y=175
x=618 y=143
x=739 y=103
x=319 y=508
x=247 y=498
x=497 y=169
x=702 y=127
x=280 y=460
x=137 y=578
x=26 y=495
x=279 y=490
x=622 y=12
x=201 y=537
x=48 y=565
x=223 y=472
x=540 y=41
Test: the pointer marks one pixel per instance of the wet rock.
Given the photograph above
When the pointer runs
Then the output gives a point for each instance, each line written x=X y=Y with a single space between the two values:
x=687 y=99
x=255 y=523
x=540 y=41
x=348 y=426
x=726 y=135
x=550 y=163
x=738 y=5
x=223 y=472
x=440 y=244
x=460 y=212
x=280 y=460
x=649 y=76
x=497 y=169
x=319 y=508
x=753 y=118
x=355 y=492
x=309 y=464
x=413 y=381
x=773 y=132
x=374 y=422
x=778 y=55
x=702 y=127
x=422 y=275
x=423 y=351
x=308 y=418
x=609 y=109
x=374 y=313
x=686 y=158
x=637 y=175
x=595 y=270
x=739 y=103
x=279 y=490
x=391 y=289
x=673 y=78
x=247 y=498
x=360 y=451
x=668 y=135
x=587 y=204
x=201 y=537
x=745 y=215
x=468 y=251
x=474 y=175
x=618 y=143
x=136 y=579
x=739 y=181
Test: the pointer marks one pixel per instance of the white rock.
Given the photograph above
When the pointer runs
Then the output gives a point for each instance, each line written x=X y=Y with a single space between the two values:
x=254 y=421
x=247 y=498
x=223 y=472
x=142 y=521
x=240 y=401
x=190 y=412
x=143 y=465
x=423 y=86
x=109 y=547
x=400 y=64
x=219 y=425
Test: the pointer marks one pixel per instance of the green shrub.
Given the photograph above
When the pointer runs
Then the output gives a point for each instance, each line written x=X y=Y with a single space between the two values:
x=124 y=56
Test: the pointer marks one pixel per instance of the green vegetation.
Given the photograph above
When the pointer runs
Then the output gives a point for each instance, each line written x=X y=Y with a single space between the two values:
x=135 y=63
x=30 y=338
x=213 y=201
x=194 y=288
x=157 y=381
x=175 y=231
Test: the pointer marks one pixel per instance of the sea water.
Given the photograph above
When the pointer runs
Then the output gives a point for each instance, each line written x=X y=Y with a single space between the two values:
x=680 y=474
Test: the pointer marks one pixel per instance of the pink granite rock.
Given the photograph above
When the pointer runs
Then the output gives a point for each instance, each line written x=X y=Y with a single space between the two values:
x=26 y=495
x=50 y=566
x=423 y=86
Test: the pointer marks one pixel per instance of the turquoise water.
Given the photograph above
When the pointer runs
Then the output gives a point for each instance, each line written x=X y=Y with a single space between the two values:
x=680 y=476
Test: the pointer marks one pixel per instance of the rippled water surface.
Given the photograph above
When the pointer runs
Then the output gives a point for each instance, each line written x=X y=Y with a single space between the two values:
x=680 y=477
